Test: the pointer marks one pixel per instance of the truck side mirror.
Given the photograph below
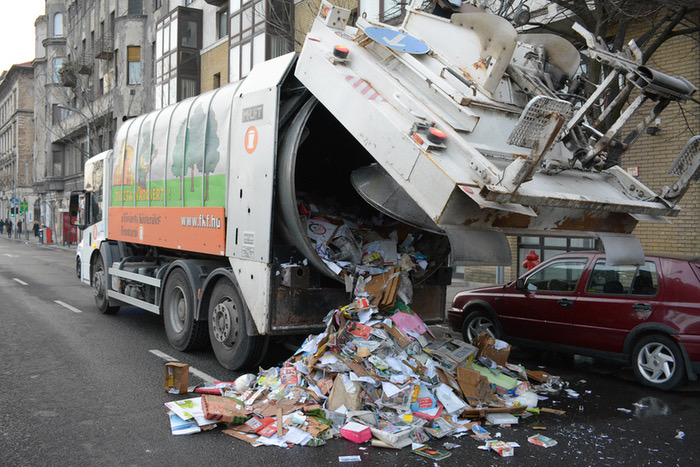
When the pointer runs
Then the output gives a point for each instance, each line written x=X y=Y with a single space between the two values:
x=79 y=215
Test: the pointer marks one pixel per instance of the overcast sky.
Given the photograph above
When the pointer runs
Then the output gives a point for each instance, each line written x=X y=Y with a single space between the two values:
x=17 y=30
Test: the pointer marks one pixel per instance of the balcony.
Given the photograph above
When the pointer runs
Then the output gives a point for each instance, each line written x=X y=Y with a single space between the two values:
x=104 y=47
x=216 y=2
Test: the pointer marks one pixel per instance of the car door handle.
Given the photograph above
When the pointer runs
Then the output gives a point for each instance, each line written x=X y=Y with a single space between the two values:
x=566 y=303
x=641 y=307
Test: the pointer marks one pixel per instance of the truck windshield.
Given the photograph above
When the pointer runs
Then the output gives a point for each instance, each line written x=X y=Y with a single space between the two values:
x=93 y=182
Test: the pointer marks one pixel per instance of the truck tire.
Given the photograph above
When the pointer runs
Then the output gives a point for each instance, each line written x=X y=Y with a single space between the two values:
x=183 y=331
x=476 y=322
x=99 y=287
x=232 y=345
x=658 y=362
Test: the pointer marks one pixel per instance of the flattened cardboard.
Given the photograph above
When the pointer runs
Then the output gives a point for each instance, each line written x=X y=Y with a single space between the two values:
x=177 y=377
x=223 y=409
x=475 y=387
x=382 y=289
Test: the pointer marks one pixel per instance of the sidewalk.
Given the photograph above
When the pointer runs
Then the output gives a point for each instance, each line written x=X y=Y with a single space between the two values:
x=32 y=240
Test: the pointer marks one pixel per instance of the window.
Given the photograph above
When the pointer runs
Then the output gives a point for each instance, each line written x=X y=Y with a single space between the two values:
x=134 y=65
x=623 y=280
x=135 y=7
x=561 y=276
x=57 y=64
x=222 y=23
x=158 y=4
x=188 y=88
x=189 y=34
x=58 y=25
x=546 y=247
x=217 y=81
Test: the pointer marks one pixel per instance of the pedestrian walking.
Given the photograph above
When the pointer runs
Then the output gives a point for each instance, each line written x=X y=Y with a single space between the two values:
x=19 y=227
x=36 y=229
x=2 y=225
x=8 y=224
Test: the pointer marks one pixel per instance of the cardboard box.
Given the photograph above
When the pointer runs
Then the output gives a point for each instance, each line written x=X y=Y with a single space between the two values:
x=356 y=432
x=177 y=377
x=493 y=349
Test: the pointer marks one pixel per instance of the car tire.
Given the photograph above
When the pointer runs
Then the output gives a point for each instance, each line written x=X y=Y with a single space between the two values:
x=99 y=287
x=183 y=330
x=478 y=321
x=233 y=347
x=658 y=362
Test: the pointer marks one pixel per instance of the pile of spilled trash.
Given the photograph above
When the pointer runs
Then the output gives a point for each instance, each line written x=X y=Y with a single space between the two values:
x=377 y=373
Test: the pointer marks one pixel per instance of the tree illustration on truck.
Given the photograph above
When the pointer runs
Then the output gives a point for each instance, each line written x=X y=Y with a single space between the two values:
x=211 y=154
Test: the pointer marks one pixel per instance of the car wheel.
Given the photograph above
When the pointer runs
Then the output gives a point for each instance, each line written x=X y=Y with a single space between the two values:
x=477 y=322
x=658 y=362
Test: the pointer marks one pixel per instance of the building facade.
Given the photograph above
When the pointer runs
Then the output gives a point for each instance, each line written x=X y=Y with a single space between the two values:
x=16 y=148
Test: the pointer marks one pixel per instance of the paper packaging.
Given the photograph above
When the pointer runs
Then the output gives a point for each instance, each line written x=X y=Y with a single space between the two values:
x=542 y=441
x=493 y=349
x=356 y=432
x=502 y=448
x=177 y=377
x=451 y=352
x=223 y=409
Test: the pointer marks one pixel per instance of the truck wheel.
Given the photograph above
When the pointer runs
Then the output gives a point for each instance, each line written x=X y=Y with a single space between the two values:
x=658 y=362
x=99 y=287
x=232 y=345
x=477 y=322
x=183 y=331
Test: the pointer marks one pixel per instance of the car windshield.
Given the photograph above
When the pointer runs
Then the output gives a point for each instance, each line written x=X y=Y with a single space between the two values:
x=559 y=276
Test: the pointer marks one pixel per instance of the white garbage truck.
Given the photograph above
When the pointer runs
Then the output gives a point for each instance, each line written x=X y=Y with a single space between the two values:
x=441 y=135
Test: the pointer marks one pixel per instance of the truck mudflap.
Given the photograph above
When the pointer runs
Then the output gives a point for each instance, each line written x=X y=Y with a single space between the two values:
x=470 y=153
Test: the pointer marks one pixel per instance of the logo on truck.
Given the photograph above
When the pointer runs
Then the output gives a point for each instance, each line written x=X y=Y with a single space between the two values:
x=250 y=141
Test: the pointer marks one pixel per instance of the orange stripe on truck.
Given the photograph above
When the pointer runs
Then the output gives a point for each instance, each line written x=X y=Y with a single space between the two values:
x=200 y=229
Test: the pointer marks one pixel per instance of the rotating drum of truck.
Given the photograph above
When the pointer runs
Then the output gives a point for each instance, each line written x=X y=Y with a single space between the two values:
x=318 y=164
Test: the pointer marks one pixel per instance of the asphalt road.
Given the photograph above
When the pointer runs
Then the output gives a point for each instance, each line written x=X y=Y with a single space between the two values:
x=79 y=387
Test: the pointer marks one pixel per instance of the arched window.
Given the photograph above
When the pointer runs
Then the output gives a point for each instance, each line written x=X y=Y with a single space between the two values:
x=58 y=25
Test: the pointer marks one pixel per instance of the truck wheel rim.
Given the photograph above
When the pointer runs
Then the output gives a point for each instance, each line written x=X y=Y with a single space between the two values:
x=479 y=325
x=178 y=310
x=656 y=362
x=98 y=281
x=222 y=323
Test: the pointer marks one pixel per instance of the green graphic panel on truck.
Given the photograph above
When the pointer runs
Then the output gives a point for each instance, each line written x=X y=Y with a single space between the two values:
x=160 y=194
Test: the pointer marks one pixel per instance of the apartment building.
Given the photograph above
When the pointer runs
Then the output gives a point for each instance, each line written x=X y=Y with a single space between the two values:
x=16 y=136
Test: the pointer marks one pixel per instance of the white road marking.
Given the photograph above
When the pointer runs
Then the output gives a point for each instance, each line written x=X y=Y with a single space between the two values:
x=65 y=305
x=193 y=370
x=19 y=281
x=11 y=256
x=162 y=355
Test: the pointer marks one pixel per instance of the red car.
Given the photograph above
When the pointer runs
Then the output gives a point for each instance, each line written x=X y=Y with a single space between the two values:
x=647 y=316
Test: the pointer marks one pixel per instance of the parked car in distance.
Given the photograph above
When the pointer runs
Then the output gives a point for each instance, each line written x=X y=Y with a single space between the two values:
x=646 y=316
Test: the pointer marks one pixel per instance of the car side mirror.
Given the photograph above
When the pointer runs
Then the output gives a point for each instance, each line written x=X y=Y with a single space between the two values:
x=520 y=284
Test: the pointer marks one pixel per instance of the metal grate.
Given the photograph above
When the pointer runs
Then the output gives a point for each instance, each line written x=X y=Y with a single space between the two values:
x=684 y=161
x=535 y=118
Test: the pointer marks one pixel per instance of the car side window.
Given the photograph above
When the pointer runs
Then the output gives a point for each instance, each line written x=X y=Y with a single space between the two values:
x=561 y=276
x=623 y=280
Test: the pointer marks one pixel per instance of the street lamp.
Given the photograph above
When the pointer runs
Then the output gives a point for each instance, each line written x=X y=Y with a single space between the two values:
x=87 y=124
